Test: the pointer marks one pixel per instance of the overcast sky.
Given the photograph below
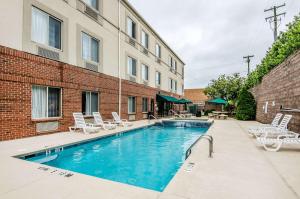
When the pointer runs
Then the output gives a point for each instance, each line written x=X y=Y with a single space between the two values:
x=212 y=36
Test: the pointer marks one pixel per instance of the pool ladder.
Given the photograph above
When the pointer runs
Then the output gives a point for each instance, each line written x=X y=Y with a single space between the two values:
x=211 y=146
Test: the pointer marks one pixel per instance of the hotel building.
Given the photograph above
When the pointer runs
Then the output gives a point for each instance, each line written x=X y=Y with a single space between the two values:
x=63 y=56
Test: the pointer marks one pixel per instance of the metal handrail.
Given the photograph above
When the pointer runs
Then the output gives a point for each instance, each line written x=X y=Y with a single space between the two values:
x=176 y=114
x=211 y=146
x=154 y=118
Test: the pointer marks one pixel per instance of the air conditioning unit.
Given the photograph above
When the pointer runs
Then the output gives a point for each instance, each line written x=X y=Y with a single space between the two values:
x=158 y=60
x=145 y=83
x=91 y=66
x=47 y=127
x=48 y=53
x=91 y=12
x=132 y=79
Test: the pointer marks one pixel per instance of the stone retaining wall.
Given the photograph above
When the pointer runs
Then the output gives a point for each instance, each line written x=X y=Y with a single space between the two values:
x=280 y=90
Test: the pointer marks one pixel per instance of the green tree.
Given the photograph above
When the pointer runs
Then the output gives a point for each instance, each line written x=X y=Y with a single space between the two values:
x=287 y=43
x=226 y=87
x=246 y=105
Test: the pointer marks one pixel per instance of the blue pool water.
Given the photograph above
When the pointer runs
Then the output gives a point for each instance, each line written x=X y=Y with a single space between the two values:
x=147 y=157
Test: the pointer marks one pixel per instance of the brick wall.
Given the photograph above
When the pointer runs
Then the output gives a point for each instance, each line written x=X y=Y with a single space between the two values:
x=281 y=87
x=20 y=70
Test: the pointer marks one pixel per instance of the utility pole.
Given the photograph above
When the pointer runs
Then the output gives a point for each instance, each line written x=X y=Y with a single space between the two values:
x=275 y=19
x=248 y=61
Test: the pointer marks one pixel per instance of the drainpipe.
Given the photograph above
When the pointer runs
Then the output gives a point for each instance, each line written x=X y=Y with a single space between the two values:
x=119 y=56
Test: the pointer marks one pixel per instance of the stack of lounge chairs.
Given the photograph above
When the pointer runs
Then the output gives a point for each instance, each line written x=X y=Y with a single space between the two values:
x=276 y=134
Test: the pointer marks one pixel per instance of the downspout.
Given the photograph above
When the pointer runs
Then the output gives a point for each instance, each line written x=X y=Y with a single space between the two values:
x=119 y=56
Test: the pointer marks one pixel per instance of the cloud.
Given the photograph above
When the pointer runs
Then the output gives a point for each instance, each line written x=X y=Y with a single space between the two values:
x=212 y=36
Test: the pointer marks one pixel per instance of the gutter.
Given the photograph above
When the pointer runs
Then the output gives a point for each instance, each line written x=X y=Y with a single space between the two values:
x=119 y=56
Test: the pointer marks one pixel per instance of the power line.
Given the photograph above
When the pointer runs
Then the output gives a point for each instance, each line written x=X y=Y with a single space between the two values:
x=275 y=18
x=248 y=59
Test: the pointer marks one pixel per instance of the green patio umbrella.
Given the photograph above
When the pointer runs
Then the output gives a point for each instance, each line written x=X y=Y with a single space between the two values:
x=218 y=101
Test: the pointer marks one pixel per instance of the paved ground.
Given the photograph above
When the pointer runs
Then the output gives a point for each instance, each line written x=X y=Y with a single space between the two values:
x=238 y=169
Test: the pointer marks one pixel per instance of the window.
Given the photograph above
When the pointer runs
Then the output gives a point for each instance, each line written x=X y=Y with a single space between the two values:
x=171 y=84
x=131 y=104
x=45 y=29
x=174 y=65
x=170 y=61
x=90 y=48
x=131 y=28
x=45 y=102
x=90 y=102
x=157 y=51
x=145 y=40
x=157 y=78
x=145 y=105
x=131 y=66
x=182 y=75
x=92 y=3
x=145 y=72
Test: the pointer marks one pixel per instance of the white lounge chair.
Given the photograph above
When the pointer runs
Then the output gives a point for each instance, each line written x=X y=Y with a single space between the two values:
x=80 y=124
x=119 y=121
x=274 y=123
x=274 y=144
x=98 y=121
x=269 y=131
x=176 y=114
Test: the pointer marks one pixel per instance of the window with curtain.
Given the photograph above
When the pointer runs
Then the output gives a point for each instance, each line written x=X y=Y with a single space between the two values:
x=145 y=40
x=131 y=66
x=131 y=28
x=92 y=3
x=45 y=29
x=157 y=51
x=131 y=104
x=90 y=103
x=145 y=105
x=175 y=86
x=157 y=78
x=46 y=102
x=145 y=72
x=90 y=48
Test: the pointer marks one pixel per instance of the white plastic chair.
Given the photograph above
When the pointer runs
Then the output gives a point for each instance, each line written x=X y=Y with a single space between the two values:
x=271 y=131
x=274 y=144
x=119 y=121
x=275 y=123
x=80 y=124
x=98 y=121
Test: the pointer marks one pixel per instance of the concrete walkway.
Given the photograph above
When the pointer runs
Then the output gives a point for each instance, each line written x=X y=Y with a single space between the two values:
x=239 y=169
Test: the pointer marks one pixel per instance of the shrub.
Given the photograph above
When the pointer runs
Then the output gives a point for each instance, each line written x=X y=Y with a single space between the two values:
x=246 y=106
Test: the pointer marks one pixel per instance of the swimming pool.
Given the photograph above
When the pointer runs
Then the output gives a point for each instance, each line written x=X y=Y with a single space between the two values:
x=147 y=157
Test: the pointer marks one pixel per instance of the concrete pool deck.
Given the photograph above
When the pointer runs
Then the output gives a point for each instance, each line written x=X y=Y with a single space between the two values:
x=239 y=169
